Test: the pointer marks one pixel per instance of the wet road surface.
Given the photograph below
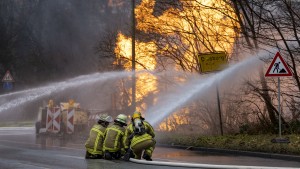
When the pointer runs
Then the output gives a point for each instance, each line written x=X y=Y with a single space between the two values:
x=21 y=149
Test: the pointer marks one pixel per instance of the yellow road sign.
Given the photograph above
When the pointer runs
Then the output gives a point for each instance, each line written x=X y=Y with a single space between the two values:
x=212 y=61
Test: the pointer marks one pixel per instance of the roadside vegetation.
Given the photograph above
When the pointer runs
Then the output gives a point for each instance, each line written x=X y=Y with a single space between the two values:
x=242 y=142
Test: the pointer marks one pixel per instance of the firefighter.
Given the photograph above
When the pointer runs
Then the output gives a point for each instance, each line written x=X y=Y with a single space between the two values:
x=94 y=144
x=139 y=137
x=113 y=145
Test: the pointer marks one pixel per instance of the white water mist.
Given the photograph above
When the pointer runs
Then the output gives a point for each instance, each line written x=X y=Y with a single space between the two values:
x=30 y=95
x=198 y=88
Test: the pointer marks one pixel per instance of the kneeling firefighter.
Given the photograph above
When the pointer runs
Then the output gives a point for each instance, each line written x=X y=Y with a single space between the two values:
x=94 y=143
x=140 y=137
x=113 y=145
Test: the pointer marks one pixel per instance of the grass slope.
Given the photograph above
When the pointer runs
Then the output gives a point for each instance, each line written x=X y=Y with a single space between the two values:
x=255 y=143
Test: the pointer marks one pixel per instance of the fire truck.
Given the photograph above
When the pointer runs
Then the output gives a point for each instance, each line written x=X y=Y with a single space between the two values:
x=67 y=118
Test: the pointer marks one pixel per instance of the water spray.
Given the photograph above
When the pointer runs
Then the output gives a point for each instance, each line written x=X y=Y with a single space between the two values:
x=198 y=88
x=35 y=93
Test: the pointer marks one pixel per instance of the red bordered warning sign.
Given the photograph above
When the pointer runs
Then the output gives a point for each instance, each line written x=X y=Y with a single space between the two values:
x=278 y=67
x=7 y=77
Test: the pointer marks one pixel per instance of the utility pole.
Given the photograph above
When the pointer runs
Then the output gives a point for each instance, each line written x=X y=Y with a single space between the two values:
x=219 y=109
x=133 y=58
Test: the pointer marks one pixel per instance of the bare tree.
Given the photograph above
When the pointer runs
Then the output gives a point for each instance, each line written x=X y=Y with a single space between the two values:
x=272 y=24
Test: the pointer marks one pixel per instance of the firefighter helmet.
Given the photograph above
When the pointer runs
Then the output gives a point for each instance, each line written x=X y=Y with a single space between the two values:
x=122 y=118
x=104 y=117
x=136 y=115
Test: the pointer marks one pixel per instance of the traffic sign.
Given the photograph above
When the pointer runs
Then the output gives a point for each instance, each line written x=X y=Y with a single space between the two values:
x=7 y=77
x=212 y=61
x=7 y=85
x=278 y=67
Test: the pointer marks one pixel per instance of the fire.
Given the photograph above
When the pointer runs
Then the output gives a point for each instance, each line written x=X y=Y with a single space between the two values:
x=145 y=57
x=195 y=27
x=145 y=53
x=172 y=122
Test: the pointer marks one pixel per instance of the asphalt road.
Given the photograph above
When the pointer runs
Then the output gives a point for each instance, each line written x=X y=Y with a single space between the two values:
x=21 y=149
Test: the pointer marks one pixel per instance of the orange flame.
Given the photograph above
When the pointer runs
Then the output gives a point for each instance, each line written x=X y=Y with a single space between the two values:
x=198 y=26
x=145 y=53
x=145 y=57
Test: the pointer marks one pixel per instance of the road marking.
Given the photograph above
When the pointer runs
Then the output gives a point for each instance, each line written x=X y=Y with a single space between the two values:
x=37 y=145
x=7 y=131
x=19 y=134
x=76 y=157
x=31 y=166
x=17 y=128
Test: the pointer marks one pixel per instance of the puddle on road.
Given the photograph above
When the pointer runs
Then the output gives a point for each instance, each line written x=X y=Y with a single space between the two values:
x=60 y=141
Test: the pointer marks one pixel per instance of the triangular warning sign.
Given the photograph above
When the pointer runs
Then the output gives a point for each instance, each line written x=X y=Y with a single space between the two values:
x=278 y=67
x=7 y=77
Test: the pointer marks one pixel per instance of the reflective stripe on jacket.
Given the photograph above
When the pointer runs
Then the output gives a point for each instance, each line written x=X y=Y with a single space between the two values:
x=140 y=138
x=114 y=136
x=149 y=129
x=94 y=143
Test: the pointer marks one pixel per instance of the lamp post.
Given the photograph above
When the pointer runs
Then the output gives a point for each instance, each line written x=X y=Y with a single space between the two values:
x=133 y=58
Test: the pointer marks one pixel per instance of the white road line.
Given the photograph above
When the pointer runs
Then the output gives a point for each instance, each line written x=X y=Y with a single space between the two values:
x=68 y=148
x=76 y=157
x=19 y=134
x=16 y=128
x=32 y=165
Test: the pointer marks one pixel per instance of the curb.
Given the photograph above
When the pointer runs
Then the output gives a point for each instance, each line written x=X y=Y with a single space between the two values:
x=235 y=152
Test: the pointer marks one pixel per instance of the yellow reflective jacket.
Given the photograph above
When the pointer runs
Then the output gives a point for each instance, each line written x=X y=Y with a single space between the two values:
x=129 y=131
x=94 y=143
x=114 y=136
x=140 y=138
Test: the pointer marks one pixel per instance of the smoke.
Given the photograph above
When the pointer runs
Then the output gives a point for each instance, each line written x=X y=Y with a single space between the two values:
x=52 y=40
x=82 y=88
x=67 y=33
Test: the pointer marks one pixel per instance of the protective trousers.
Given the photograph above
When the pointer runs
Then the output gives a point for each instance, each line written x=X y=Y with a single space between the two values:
x=147 y=145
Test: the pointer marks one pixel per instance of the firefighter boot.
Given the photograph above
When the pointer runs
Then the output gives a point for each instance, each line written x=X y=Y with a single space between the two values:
x=147 y=157
x=127 y=155
x=107 y=156
x=87 y=155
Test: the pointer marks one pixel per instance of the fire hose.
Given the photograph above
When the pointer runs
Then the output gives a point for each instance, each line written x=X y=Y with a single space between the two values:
x=198 y=165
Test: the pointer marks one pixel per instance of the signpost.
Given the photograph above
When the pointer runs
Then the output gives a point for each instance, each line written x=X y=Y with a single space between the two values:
x=7 y=81
x=278 y=68
x=213 y=62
